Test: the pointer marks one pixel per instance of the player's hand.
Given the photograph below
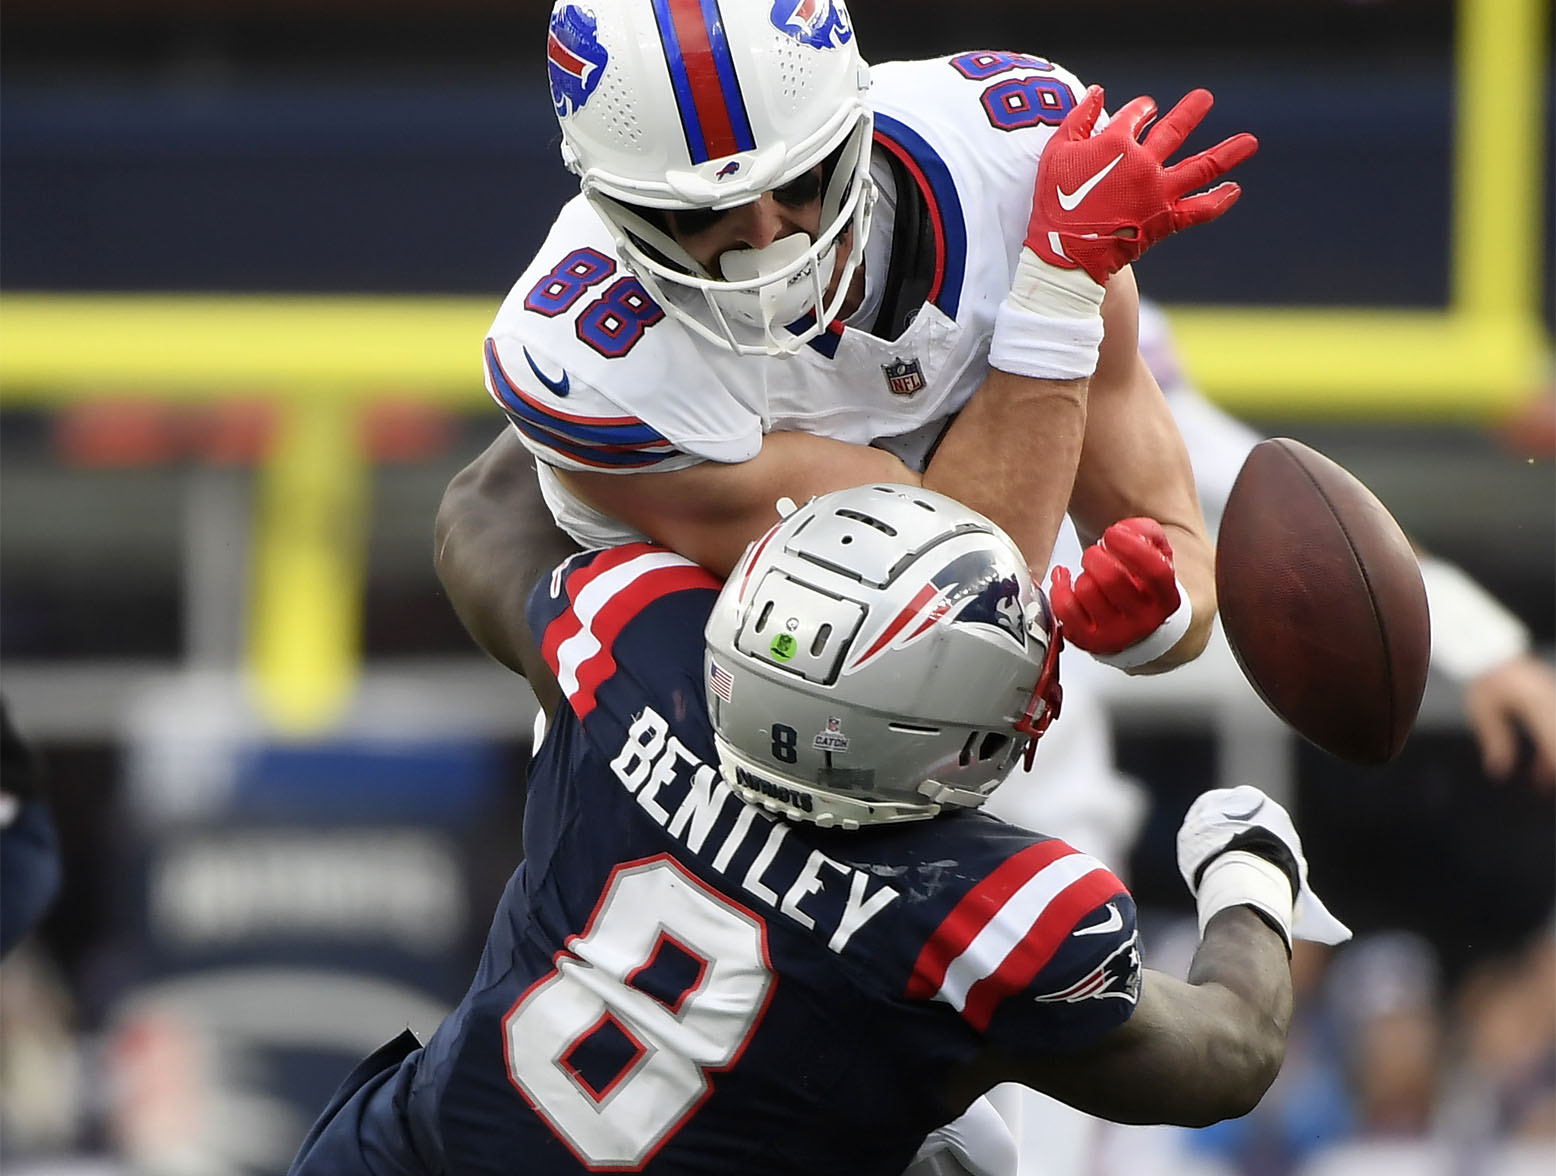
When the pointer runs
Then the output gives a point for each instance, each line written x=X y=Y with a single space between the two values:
x=1518 y=694
x=1125 y=593
x=1102 y=200
x=1225 y=836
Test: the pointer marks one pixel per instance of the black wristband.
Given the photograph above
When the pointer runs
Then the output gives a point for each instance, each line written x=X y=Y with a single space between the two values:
x=1260 y=842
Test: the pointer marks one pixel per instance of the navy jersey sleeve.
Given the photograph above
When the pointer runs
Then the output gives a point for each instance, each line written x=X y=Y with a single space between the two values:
x=1038 y=954
x=623 y=627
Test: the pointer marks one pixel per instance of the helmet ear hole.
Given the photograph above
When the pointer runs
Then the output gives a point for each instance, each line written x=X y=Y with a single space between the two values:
x=993 y=746
x=982 y=746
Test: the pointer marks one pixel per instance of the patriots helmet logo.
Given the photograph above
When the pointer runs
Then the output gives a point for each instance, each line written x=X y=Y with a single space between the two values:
x=992 y=595
x=821 y=24
x=575 y=59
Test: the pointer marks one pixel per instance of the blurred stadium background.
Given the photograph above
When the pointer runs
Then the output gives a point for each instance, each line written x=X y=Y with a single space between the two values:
x=248 y=251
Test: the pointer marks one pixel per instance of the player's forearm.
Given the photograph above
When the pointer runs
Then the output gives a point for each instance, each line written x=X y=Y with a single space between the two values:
x=1194 y=561
x=1224 y=1038
x=1135 y=464
x=1011 y=455
x=493 y=539
x=1244 y=1035
x=710 y=512
x=1194 y=1052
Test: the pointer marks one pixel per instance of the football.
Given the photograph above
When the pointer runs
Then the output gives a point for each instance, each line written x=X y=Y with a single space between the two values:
x=1322 y=602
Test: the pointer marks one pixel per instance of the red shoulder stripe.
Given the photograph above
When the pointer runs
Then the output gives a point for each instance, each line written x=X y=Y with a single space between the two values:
x=980 y=904
x=1031 y=955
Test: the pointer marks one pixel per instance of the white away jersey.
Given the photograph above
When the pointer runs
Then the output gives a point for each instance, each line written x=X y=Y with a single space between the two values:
x=595 y=376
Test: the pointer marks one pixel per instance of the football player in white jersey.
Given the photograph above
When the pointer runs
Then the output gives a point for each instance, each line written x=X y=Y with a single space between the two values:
x=780 y=256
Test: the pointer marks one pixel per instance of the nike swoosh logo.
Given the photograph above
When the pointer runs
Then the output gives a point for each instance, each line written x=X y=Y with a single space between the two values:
x=1243 y=816
x=556 y=387
x=1068 y=200
x=1112 y=923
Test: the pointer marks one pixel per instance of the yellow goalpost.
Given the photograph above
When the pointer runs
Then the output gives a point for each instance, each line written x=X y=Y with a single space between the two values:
x=320 y=358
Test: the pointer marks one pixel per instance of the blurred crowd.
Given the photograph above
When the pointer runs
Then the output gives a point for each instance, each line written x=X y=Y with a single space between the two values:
x=1395 y=1068
x=1391 y=1071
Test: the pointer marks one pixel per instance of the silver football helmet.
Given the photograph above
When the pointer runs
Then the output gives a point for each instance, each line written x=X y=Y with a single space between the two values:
x=686 y=105
x=880 y=654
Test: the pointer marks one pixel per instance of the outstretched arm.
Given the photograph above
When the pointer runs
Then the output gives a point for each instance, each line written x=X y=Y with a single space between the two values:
x=1135 y=464
x=1196 y=1051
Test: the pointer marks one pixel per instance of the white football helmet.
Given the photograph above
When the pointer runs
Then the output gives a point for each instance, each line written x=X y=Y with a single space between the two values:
x=878 y=655
x=687 y=105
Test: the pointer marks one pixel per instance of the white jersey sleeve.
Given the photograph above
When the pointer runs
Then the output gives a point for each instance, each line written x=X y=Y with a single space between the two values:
x=987 y=115
x=594 y=377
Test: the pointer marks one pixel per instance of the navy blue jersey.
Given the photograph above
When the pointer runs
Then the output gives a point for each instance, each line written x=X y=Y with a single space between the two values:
x=677 y=981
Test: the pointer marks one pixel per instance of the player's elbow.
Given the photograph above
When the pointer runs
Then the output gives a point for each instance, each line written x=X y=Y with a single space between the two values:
x=483 y=489
x=460 y=497
x=1240 y=1070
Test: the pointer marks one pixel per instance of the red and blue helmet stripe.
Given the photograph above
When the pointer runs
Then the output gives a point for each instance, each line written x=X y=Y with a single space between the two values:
x=702 y=73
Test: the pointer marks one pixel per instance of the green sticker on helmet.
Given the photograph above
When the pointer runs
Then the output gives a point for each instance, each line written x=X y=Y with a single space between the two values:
x=783 y=646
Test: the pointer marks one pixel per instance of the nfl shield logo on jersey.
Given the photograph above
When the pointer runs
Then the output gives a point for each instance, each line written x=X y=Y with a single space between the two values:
x=575 y=59
x=904 y=376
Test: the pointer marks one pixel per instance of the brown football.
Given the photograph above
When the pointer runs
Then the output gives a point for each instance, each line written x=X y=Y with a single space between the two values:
x=1322 y=602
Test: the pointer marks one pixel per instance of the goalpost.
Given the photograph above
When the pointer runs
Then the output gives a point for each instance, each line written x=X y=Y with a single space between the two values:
x=319 y=359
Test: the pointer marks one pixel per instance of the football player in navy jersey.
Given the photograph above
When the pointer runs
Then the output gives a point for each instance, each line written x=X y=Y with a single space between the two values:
x=760 y=925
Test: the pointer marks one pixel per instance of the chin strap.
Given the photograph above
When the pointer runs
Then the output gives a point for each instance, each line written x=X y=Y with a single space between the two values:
x=1047 y=698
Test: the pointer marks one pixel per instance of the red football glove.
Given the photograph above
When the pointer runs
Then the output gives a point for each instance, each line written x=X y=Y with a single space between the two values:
x=1092 y=187
x=1125 y=591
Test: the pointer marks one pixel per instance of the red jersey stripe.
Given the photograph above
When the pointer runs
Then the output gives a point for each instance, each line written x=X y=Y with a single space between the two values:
x=936 y=220
x=973 y=912
x=615 y=615
x=1037 y=947
x=569 y=623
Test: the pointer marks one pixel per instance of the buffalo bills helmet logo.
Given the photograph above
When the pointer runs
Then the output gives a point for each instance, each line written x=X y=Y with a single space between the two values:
x=575 y=59
x=729 y=168
x=821 y=24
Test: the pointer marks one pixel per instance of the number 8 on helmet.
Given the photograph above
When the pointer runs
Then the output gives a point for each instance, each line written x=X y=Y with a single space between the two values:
x=681 y=105
x=879 y=655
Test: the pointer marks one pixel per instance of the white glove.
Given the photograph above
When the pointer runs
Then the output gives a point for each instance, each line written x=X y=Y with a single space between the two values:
x=1237 y=847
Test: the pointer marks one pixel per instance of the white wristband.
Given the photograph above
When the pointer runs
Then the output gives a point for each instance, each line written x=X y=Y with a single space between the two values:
x=1240 y=878
x=1049 y=327
x=1158 y=641
x=1471 y=631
